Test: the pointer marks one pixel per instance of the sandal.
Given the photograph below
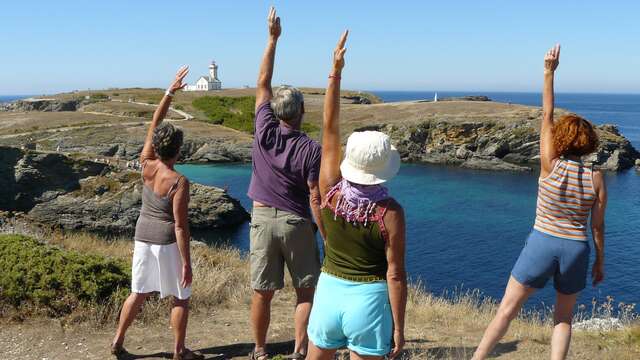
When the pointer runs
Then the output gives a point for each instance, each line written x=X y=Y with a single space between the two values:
x=258 y=355
x=117 y=350
x=187 y=354
x=296 y=356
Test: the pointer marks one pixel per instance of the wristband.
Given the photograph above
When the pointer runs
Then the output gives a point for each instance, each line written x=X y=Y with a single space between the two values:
x=168 y=93
x=337 y=77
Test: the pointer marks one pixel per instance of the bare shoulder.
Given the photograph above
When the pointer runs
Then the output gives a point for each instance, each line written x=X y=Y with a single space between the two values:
x=395 y=211
x=598 y=180
x=149 y=168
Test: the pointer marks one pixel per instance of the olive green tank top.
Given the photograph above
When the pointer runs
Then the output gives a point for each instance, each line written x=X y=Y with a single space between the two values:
x=355 y=251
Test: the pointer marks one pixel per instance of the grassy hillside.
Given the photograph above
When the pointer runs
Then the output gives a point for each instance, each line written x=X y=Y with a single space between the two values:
x=235 y=112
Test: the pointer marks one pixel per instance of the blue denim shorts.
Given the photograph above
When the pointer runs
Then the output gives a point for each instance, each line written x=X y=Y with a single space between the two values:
x=544 y=256
x=351 y=314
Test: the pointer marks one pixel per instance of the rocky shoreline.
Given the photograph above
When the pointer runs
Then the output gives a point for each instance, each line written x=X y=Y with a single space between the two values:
x=492 y=146
x=59 y=192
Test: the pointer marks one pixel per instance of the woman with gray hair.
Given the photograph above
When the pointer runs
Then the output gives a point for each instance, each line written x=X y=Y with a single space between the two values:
x=161 y=257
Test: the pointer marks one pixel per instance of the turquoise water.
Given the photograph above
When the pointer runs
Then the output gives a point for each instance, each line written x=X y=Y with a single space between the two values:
x=465 y=228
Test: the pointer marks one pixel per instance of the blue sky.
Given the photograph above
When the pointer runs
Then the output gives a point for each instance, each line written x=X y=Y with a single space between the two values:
x=52 y=46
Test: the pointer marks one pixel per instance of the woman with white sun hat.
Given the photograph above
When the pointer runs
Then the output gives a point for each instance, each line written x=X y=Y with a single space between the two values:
x=361 y=295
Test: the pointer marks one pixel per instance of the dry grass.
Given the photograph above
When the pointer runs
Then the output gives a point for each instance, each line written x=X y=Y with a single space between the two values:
x=217 y=271
x=437 y=327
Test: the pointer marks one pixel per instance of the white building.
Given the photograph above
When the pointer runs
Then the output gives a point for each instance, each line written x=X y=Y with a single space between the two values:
x=207 y=83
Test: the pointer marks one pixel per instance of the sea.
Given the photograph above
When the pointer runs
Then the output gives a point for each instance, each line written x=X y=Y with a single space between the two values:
x=466 y=228
x=10 y=98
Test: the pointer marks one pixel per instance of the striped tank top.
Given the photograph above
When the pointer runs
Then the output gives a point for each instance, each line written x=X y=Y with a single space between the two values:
x=565 y=198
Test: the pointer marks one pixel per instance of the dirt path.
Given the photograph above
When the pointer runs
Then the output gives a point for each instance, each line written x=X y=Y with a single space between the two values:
x=222 y=334
x=186 y=117
x=225 y=334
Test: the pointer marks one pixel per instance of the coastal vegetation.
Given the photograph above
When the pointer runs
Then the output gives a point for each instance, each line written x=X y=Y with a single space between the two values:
x=235 y=112
x=41 y=278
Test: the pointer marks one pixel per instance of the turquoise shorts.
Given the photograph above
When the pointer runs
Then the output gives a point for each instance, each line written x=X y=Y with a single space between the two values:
x=352 y=314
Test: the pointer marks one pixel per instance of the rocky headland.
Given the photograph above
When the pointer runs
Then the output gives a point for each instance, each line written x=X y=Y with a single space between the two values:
x=59 y=192
x=476 y=134
x=472 y=132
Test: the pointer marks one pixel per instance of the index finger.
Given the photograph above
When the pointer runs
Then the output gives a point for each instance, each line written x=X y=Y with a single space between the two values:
x=343 y=39
x=557 y=50
x=183 y=72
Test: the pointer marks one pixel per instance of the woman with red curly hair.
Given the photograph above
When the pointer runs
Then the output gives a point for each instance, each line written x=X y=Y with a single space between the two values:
x=569 y=191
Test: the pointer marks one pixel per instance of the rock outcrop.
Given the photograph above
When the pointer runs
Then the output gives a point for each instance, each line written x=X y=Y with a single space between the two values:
x=82 y=195
x=466 y=98
x=46 y=105
x=494 y=146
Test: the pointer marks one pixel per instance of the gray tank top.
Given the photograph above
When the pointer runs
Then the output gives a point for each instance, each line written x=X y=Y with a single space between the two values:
x=156 y=224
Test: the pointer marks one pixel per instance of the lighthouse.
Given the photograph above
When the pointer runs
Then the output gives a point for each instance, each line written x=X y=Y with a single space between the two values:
x=213 y=71
x=207 y=83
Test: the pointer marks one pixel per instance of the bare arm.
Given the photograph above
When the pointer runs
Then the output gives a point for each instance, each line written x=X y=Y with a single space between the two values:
x=547 y=150
x=597 y=226
x=314 y=202
x=160 y=113
x=396 y=274
x=331 y=147
x=183 y=236
x=263 y=88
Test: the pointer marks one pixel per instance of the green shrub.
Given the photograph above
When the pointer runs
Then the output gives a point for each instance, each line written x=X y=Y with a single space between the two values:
x=55 y=280
x=179 y=107
x=233 y=112
x=99 y=96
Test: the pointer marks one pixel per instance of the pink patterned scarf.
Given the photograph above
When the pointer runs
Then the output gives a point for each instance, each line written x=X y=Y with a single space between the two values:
x=356 y=202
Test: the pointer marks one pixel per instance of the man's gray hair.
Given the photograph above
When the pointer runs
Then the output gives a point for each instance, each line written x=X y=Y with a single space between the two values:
x=287 y=103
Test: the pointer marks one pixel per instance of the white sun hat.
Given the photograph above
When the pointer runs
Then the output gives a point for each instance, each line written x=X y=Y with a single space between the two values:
x=370 y=158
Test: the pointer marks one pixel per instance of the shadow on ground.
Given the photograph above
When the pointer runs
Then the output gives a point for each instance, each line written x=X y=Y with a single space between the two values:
x=243 y=349
x=455 y=352
x=218 y=352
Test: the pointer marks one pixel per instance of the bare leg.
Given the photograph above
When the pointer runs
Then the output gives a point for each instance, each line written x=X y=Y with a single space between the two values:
x=179 y=319
x=514 y=296
x=562 y=317
x=304 y=302
x=130 y=309
x=260 y=317
x=355 y=356
x=316 y=353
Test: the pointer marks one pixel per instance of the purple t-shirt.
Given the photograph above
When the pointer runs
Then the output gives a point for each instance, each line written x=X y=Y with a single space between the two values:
x=284 y=160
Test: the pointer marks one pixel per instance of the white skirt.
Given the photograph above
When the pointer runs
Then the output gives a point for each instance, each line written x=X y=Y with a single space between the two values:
x=158 y=268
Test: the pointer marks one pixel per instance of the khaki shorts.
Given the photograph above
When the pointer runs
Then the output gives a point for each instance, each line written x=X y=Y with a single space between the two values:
x=279 y=237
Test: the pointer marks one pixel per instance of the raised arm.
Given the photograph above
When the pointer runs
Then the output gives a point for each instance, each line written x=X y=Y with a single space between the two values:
x=547 y=150
x=396 y=273
x=183 y=236
x=331 y=145
x=263 y=88
x=597 y=226
x=147 y=150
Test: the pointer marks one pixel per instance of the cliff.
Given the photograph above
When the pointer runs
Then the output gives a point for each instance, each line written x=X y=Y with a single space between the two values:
x=60 y=192
x=476 y=134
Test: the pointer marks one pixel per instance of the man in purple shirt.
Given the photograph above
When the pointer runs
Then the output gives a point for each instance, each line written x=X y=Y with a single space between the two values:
x=285 y=194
